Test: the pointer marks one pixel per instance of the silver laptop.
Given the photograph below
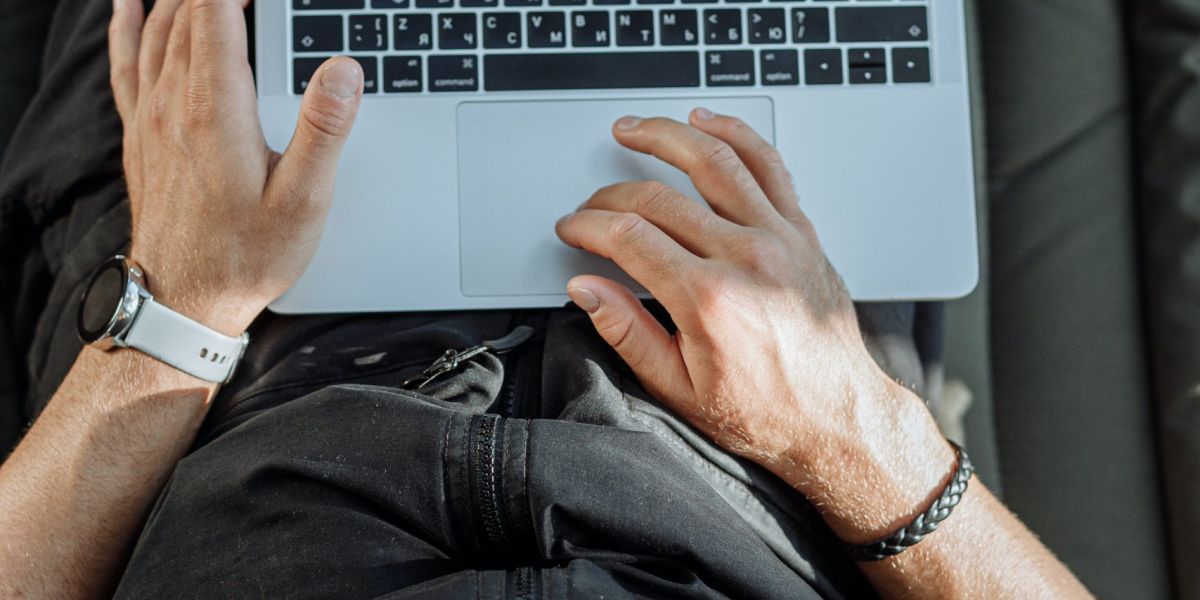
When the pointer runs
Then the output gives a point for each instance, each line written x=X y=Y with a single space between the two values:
x=485 y=121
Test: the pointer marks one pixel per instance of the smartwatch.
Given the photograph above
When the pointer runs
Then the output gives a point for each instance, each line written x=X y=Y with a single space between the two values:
x=118 y=311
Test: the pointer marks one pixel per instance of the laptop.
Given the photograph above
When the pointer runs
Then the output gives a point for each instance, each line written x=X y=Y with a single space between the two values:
x=484 y=121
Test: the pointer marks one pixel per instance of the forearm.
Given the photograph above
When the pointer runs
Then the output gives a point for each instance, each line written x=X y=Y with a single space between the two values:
x=73 y=494
x=890 y=468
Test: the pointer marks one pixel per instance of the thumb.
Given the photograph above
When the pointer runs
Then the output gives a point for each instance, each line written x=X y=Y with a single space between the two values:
x=635 y=334
x=309 y=165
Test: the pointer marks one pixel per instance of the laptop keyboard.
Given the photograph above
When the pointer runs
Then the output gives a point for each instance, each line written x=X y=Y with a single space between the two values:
x=479 y=46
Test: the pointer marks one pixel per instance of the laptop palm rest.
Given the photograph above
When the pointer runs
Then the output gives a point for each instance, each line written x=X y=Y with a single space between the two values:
x=523 y=165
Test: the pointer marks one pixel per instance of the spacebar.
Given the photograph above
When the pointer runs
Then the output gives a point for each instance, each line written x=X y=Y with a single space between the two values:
x=590 y=71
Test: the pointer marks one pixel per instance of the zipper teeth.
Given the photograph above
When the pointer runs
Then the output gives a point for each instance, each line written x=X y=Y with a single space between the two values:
x=524 y=584
x=486 y=459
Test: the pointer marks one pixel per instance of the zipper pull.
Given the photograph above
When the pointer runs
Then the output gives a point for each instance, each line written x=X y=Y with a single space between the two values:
x=519 y=336
x=451 y=360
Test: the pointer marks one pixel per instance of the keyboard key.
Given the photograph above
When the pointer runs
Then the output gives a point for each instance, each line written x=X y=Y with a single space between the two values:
x=678 y=27
x=882 y=24
x=591 y=71
x=723 y=26
x=823 y=67
x=522 y=2
x=435 y=3
x=546 y=29
x=317 y=34
x=453 y=73
x=589 y=28
x=568 y=2
x=910 y=65
x=456 y=31
x=389 y=3
x=656 y=1
x=862 y=75
x=479 y=3
x=370 y=67
x=368 y=32
x=402 y=74
x=766 y=25
x=413 y=31
x=327 y=4
x=303 y=70
x=779 y=67
x=725 y=68
x=611 y=2
x=810 y=25
x=866 y=57
x=635 y=28
x=867 y=65
x=502 y=30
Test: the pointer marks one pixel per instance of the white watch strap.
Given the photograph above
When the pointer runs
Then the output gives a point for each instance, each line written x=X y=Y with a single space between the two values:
x=183 y=343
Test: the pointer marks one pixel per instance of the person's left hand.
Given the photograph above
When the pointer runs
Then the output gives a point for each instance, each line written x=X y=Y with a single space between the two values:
x=221 y=223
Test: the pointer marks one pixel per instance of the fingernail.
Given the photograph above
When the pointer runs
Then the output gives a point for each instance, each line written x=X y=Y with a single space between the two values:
x=342 y=78
x=704 y=114
x=627 y=123
x=584 y=299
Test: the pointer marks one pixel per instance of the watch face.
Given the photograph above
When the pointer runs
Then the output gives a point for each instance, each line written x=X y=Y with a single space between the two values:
x=101 y=301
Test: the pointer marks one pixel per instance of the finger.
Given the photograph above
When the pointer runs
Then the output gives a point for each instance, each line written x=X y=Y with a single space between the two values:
x=219 y=41
x=124 y=39
x=309 y=165
x=154 y=42
x=695 y=227
x=713 y=166
x=760 y=157
x=640 y=340
x=179 y=43
x=642 y=250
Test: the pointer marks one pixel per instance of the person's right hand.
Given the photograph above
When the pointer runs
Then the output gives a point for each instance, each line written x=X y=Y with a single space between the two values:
x=768 y=359
x=221 y=224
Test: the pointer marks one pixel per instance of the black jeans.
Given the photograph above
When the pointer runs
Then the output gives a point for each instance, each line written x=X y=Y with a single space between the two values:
x=546 y=472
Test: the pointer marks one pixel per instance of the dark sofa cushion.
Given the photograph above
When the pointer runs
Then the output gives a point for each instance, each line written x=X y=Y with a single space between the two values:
x=1167 y=65
x=1072 y=405
x=23 y=26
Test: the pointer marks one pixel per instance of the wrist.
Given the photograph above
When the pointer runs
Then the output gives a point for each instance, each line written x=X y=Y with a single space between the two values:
x=883 y=465
x=228 y=312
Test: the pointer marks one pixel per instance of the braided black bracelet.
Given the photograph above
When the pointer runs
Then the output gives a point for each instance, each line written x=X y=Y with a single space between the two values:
x=925 y=523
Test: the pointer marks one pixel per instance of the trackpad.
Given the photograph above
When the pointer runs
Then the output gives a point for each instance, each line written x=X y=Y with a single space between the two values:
x=523 y=165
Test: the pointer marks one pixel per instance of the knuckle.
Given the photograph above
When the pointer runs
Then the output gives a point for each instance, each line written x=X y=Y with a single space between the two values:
x=199 y=103
x=771 y=156
x=325 y=120
x=628 y=229
x=718 y=155
x=120 y=73
x=711 y=293
x=619 y=331
x=759 y=254
x=158 y=107
x=652 y=197
x=737 y=125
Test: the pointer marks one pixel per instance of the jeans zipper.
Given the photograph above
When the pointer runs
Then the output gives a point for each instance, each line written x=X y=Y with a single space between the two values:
x=523 y=584
x=487 y=476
